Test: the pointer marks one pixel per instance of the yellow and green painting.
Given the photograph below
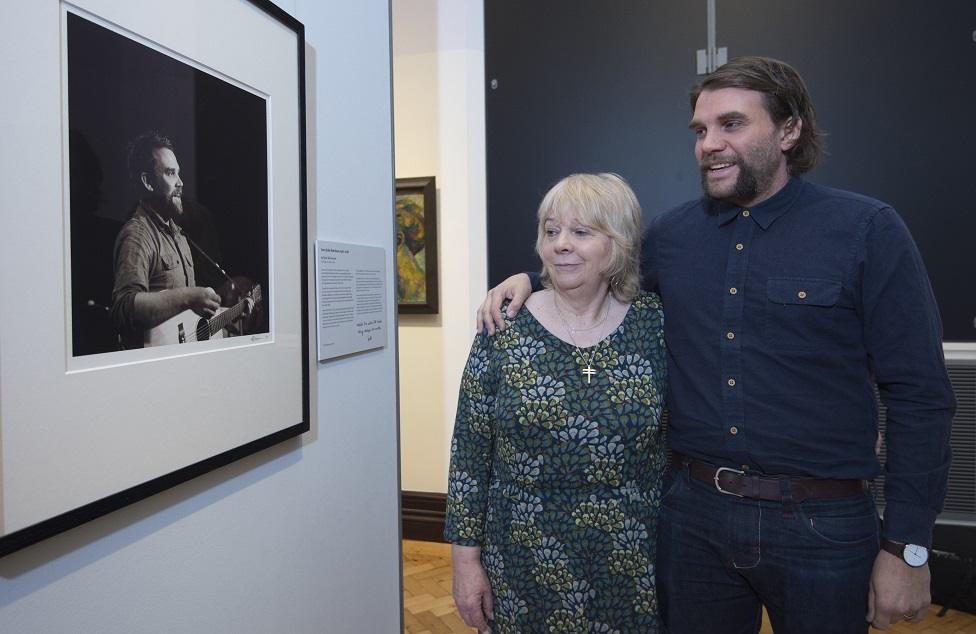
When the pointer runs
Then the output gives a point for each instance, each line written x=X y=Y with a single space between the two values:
x=411 y=245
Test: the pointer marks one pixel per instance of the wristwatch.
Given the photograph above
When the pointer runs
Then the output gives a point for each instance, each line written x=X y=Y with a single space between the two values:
x=912 y=554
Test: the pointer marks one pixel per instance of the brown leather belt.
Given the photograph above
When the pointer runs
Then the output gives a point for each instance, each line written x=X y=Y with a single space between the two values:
x=765 y=487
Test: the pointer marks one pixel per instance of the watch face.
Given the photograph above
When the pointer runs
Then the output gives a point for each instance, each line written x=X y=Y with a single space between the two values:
x=915 y=555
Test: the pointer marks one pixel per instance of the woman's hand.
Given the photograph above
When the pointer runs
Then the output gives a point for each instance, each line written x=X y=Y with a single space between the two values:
x=516 y=288
x=471 y=590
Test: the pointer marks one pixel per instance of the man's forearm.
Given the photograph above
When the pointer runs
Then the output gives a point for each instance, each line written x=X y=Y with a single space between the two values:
x=909 y=367
x=153 y=308
x=914 y=489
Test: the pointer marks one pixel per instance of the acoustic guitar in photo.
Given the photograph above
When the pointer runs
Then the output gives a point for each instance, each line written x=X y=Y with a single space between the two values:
x=188 y=327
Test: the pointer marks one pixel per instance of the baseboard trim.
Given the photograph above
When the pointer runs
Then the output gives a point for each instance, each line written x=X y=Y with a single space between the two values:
x=423 y=515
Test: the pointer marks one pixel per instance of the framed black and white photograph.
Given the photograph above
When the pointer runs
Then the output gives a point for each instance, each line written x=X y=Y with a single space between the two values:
x=213 y=134
x=416 y=240
x=166 y=269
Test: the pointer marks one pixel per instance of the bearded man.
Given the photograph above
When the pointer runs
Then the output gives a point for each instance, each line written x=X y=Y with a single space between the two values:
x=154 y=275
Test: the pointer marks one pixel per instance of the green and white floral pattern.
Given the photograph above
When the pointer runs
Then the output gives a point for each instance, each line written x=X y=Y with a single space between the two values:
x=558 y=479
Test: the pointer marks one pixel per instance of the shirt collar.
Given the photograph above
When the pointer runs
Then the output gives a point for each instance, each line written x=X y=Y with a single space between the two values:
x=765 y=212
x=167 y=225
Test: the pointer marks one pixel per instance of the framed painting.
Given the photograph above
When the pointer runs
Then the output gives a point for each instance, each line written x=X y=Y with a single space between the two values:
x=416 y=244
x=173 y=254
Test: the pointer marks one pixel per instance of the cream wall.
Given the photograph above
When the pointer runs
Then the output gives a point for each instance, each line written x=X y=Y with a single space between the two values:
x=439 y=122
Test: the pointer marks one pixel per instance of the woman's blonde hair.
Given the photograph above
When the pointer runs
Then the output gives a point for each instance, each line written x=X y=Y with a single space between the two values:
x=606 y=203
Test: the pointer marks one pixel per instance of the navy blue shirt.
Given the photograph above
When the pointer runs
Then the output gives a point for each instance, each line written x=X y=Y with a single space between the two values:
x=779 y=321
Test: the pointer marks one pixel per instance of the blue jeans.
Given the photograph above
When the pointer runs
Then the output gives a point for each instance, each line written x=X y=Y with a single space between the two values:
x=722 y=558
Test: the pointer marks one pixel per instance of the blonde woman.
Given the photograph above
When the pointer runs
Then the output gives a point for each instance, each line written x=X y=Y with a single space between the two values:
x=557 y=457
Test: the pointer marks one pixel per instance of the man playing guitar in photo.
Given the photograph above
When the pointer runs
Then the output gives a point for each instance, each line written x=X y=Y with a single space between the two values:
x=155 y=282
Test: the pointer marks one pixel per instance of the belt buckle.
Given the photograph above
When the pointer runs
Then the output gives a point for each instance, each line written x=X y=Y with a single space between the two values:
x=718 y=486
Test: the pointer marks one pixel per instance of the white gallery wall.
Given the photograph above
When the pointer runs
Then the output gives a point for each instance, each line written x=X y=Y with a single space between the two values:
x=439 y=114
x=303 y=537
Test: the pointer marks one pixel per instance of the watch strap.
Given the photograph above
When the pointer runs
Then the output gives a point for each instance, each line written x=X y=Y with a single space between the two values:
x=917 y=557
x=895 y=548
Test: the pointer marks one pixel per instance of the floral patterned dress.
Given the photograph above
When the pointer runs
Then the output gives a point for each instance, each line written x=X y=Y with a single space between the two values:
x=557 y=477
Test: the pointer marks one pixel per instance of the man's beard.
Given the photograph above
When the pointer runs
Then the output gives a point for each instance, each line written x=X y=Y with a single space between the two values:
x=755 y=177
x=746 y=186
x=168 y=206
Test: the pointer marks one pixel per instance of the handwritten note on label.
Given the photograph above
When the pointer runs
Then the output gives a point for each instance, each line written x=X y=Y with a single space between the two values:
x=351 y=298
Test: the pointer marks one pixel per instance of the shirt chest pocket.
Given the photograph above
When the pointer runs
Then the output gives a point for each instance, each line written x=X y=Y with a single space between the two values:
x=168 y=261
x=801 y=312
x=171 y=271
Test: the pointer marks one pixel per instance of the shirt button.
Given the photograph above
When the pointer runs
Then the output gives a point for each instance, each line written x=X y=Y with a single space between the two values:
x=733 y=291
x=739 y=246
x=733 y=430
x=745 y=213
x=731 y=382
x=802 y=294
x=730 y=335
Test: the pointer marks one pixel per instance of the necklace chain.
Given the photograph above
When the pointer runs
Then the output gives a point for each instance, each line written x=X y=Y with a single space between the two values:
x=572 y=330
x=586 y=361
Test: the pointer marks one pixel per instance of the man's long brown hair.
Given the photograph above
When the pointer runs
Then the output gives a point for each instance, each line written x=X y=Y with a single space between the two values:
x=785 y=97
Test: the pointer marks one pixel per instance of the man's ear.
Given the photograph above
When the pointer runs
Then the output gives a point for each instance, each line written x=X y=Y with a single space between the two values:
x=791 y=133
x=146 y=182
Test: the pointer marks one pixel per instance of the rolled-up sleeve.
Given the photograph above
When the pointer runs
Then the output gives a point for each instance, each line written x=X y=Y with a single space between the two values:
x=133 y=259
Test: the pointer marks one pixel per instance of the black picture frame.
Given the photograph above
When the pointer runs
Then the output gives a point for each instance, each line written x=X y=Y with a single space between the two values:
x=416 y=242
x=289 y=349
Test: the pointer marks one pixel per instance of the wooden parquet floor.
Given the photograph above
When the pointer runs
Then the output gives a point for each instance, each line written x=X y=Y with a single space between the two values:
x=429 y=609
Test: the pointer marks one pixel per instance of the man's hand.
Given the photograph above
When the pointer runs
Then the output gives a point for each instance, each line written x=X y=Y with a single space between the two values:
x=472 y=592
x=202 y=300
x=897 y=592
x=153 y=308
x=516 y=288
